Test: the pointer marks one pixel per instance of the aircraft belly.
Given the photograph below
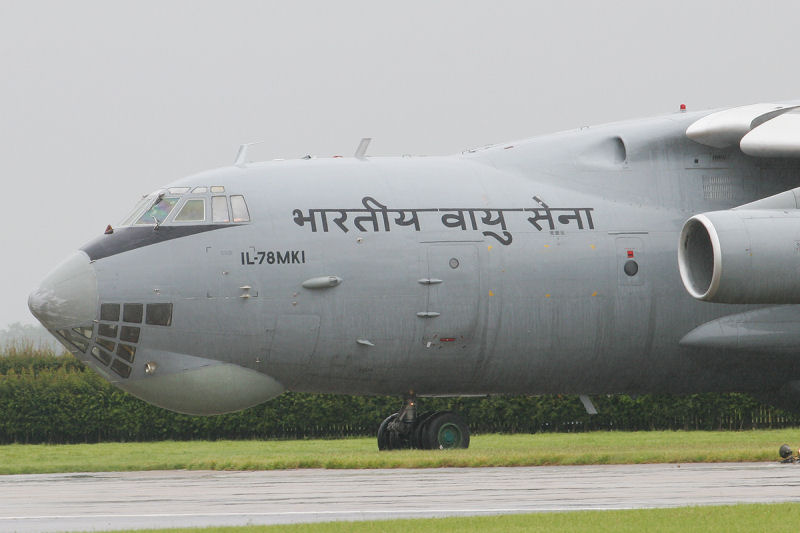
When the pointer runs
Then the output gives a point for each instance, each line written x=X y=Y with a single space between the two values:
x=201 y=386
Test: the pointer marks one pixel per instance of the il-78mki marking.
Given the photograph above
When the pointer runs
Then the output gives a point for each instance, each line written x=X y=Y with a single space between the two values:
x=273 y=257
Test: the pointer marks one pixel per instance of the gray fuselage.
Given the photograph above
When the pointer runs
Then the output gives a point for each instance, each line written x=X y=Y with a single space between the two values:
x=542 y=266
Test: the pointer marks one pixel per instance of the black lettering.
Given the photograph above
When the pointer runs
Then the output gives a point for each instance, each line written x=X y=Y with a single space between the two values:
x=274 y=257
x=377 y=217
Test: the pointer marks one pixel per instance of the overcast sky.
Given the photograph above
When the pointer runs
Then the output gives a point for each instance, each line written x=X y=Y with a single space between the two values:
x=102 y=101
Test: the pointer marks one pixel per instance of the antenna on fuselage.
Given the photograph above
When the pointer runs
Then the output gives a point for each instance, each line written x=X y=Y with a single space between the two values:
x=241 y=155
x=361 y=151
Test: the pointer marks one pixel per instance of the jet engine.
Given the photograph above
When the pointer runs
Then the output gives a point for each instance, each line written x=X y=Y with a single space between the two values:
x=742 y=256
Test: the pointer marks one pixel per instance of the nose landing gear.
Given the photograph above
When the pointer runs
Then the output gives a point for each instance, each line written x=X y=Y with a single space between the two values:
x=439 y=430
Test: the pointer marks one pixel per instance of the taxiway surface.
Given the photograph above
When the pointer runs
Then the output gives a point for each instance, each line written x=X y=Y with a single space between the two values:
x=102 y=501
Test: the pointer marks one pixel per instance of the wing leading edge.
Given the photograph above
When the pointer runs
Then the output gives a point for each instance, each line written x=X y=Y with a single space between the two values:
x=760 y=130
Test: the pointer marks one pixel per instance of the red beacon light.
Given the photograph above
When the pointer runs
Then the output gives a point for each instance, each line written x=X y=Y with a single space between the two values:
x=109 y=230
x=683 y=108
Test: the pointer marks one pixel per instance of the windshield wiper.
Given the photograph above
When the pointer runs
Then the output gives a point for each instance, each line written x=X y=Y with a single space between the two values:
x=153 y=216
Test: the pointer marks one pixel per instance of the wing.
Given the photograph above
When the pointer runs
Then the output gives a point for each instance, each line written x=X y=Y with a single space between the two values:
x=760 y=130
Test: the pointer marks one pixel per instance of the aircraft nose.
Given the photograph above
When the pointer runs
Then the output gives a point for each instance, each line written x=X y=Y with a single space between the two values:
x=67 y=297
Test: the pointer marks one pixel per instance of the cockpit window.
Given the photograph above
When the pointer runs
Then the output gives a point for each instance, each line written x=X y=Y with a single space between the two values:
x=159 y=211
x=219 y=209
x=194 y=210
x=141 y=205
x=181 y=205
x=239 y=207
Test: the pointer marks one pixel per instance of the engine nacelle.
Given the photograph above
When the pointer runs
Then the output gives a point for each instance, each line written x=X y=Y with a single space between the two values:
x=742 y=256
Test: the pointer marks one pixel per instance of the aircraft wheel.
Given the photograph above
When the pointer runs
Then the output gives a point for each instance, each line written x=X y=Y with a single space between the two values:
x=385 y=441
x=418 y=437
x=446 y=430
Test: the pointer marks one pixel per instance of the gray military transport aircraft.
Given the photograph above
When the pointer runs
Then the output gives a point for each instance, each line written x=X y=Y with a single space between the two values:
x=549 y=265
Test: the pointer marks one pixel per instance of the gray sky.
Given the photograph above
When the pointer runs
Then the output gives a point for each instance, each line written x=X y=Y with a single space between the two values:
x=102 y=101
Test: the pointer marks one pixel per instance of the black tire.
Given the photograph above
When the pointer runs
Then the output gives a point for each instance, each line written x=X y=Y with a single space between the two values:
x=446 y=430
x=385 y=442
x=418 y=439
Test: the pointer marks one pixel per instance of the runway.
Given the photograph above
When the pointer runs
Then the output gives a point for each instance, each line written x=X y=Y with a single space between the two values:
x=105 y=501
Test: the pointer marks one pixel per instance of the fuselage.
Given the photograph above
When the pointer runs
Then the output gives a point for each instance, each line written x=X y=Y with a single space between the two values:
x=541 y=266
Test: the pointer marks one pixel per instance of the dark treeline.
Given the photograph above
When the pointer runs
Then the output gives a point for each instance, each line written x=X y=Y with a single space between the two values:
x=46 y=398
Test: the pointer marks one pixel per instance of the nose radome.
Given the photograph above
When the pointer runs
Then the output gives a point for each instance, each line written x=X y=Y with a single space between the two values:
x=67 y=297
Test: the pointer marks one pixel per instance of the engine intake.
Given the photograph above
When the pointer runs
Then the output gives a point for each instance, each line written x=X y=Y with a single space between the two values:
x=743 y=256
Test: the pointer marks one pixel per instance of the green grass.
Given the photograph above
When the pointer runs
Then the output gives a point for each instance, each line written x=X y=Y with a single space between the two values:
x=774 y=518
x=600 y=447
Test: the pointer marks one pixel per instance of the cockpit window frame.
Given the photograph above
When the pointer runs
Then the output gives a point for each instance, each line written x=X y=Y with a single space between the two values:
x=177 y=211
x=147 y=219
x=218 y=202
x=238 y=211
x=137 y=210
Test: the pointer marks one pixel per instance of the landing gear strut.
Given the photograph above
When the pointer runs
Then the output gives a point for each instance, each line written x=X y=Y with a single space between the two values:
x=406 y=429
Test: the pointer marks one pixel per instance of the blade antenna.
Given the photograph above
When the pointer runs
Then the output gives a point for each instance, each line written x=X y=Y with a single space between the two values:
x=361 y=151
x=241 y=155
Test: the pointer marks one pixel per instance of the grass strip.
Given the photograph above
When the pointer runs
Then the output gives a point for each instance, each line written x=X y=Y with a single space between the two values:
x=775 y=518
x=601 y=447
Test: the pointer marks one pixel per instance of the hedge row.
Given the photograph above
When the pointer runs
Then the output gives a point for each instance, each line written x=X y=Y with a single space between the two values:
x=46 y=398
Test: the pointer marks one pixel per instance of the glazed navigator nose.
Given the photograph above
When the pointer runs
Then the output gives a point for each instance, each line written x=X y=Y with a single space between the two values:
x=67 y=297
